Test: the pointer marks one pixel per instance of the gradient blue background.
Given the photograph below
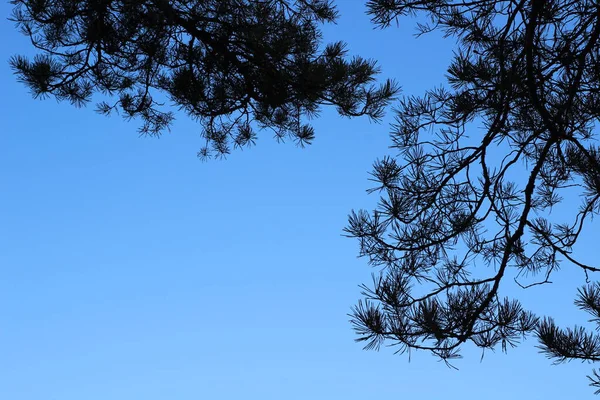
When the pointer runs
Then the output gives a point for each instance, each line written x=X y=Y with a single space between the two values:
x=131 y=270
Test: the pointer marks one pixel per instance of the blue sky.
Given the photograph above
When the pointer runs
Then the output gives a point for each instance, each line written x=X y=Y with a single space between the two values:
x=131 y=270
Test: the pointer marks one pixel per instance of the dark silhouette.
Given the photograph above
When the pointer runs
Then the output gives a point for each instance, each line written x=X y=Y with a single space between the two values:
x=461 y=216
x=234 y=65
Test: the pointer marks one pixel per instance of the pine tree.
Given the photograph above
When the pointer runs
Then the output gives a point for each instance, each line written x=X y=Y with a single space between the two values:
x=234 y=65
x=482 y=160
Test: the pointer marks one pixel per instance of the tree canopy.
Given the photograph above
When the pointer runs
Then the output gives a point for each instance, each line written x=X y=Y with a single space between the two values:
x=482 y=162
x=234 y=65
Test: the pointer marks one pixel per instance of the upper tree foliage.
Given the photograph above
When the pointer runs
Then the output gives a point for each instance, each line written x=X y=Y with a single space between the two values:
x=482 y=162
x=234 y=65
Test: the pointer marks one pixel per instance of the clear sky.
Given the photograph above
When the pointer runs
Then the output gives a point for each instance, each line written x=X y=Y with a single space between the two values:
x=131 y=270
